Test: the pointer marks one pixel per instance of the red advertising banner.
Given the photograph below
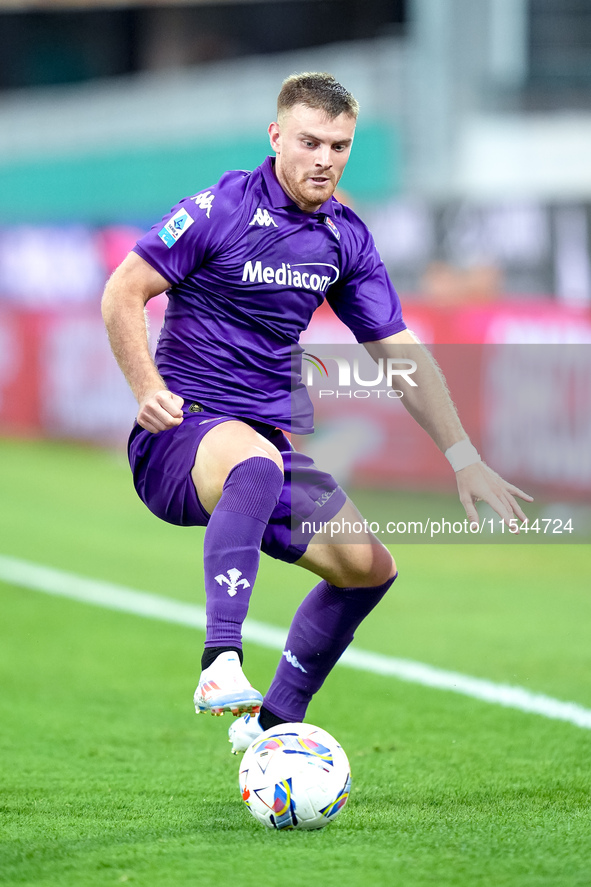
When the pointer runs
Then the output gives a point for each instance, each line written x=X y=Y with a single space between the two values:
x=527 y=321
x=527 y=408
x=520 y=374
x=19 y=371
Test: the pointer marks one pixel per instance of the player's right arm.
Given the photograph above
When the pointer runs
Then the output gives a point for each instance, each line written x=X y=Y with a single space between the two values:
x=128 y=290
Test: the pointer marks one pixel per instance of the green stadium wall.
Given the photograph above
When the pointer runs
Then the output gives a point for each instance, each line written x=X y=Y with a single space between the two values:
x=137 y=183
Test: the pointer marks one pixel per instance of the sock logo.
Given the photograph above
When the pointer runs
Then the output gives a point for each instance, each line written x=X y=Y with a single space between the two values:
x=232 y=580
x=293 y=660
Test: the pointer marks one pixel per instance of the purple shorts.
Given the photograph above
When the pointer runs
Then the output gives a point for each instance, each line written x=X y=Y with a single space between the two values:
x=162 y=463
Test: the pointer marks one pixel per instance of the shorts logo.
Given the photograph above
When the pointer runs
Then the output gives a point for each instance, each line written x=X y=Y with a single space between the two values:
x=233 y=581
x=175 y=227
x=324 y=498
x=204 y=201
x=262 y=218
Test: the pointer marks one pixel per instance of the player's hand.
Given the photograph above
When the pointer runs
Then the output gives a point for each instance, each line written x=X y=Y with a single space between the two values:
x=160 y=410
x=478 y=482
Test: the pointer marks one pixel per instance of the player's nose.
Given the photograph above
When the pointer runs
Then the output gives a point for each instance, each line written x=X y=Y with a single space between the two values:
x=323 y=157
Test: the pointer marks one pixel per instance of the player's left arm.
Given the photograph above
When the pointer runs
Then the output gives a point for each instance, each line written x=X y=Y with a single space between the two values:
x=429 y=402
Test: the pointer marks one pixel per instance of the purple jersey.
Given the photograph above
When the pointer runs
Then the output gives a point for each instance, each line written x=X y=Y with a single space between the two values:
x=247 y=270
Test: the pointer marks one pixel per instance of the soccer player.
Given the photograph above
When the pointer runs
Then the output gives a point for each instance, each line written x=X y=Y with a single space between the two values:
x=245 y=263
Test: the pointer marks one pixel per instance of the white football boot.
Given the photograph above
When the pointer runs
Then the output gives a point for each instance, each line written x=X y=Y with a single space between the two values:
x=243 y=732
x=223 y=687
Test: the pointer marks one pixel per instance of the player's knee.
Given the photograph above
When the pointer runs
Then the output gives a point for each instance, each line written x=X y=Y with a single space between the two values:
x=250 y=478
x=372 y=566
x=388 y=568
x=383 y=568
x=271 y=453
x=222 y=450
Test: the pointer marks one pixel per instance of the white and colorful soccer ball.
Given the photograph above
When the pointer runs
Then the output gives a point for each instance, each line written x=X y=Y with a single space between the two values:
x=295 y=776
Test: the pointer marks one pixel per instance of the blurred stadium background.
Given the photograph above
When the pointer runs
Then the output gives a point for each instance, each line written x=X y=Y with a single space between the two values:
x=471 y=166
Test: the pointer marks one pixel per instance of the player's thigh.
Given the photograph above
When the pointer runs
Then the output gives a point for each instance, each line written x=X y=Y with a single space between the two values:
x=222 y=448
x=347 y=554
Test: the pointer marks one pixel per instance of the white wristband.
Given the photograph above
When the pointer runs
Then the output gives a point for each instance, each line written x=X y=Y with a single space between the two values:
x=462 y=454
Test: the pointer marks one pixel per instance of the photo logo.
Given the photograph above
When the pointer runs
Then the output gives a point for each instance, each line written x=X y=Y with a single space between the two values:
x=315 y=362
x=385 y=371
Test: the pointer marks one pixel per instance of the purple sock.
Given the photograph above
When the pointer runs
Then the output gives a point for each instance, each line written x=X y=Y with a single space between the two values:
x=322 y=629
x=231 y=550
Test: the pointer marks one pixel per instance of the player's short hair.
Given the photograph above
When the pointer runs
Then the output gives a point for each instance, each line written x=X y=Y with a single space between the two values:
x=319 y=91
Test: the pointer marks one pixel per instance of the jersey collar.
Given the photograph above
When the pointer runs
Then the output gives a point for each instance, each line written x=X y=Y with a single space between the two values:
x=278 y=196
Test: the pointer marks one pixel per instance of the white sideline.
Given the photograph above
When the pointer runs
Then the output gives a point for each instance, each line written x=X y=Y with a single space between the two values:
x=117 y=597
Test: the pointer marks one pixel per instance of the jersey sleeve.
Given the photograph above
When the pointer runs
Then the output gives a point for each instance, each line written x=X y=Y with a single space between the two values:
x=364 y=298
x=194 y=229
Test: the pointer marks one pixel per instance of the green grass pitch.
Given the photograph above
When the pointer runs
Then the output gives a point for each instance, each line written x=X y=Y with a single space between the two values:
x=107 y=776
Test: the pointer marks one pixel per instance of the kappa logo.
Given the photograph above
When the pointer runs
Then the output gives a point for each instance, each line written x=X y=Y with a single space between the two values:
x=263 y=218
x=233 y=581
x=293 y=660
x=204 y=201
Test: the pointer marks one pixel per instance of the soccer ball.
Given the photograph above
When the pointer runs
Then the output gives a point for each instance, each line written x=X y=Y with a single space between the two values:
x=295 y=776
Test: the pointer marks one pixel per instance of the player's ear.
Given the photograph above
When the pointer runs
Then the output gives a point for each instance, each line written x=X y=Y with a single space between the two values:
x=275 y=137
